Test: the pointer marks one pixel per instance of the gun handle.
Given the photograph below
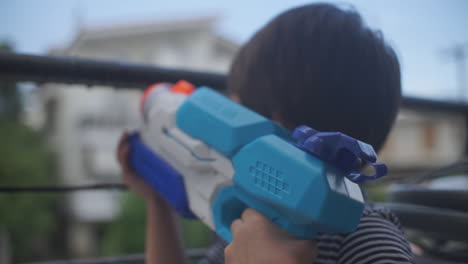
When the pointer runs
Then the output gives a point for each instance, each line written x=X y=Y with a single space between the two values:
x=231 y=201
x=163 y=179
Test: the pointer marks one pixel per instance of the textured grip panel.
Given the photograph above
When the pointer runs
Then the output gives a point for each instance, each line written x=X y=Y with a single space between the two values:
x=269 y=179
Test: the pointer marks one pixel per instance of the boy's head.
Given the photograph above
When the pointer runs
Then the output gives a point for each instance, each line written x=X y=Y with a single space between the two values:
x=320 y=66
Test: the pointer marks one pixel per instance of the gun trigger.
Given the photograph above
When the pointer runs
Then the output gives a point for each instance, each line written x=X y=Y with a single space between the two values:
x=380 y=171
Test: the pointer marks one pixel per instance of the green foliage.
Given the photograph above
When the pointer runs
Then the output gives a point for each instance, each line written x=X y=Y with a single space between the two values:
x=376 y=193
x=10 y=102
x=196 y=234
x=27 y=217
x=126 y=234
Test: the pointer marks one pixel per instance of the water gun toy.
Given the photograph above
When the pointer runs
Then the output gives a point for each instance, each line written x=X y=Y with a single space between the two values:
x=211 y=158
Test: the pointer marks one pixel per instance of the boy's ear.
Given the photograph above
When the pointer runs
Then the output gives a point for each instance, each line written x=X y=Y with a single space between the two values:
x=278 y=119
x=234 y=97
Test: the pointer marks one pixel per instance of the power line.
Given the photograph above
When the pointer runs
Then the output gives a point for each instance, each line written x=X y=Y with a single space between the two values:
x=133 y=258
x=51 y=188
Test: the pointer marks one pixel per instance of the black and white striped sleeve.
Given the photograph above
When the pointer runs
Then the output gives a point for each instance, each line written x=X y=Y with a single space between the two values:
x=378 y=239
x=215 y=254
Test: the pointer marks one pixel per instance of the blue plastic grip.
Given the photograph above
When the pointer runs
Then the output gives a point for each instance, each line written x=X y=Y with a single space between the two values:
x=159 y=175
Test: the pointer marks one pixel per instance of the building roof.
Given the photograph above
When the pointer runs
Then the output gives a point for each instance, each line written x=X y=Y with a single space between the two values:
x=117 y=30
x=146 y=27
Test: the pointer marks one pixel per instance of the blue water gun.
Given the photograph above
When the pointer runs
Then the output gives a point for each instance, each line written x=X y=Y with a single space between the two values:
x=211 y=158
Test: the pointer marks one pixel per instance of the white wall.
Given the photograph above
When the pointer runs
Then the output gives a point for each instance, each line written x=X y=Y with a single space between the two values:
x=425 y=139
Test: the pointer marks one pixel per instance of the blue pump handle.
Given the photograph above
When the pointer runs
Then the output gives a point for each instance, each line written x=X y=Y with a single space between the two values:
x=341 y=151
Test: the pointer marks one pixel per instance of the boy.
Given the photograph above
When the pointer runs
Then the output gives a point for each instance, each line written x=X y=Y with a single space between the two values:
x=315 y=65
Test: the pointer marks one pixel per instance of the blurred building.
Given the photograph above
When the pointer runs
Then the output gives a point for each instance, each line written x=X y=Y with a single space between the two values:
x=83 y=125
x=424 y=138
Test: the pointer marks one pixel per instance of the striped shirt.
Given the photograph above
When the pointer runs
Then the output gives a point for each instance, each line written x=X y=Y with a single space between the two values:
x=378 y=239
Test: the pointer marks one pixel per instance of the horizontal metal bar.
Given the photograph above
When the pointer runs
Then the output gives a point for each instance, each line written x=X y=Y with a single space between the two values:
x=60 y=188
x=22 y=67
x=437 y=105
x=134 y=258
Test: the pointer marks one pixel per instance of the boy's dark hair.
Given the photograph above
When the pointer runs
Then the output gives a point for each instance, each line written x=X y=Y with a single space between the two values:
x=320 y=66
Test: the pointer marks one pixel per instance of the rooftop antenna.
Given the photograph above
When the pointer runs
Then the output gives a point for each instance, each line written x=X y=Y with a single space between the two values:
x=78 y=14
x=458 y=53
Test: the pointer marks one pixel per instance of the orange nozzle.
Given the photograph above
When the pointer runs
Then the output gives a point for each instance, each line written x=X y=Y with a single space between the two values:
x=183 y=87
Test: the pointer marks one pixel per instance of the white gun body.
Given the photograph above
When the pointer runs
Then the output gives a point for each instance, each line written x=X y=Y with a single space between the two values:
x=204 y=169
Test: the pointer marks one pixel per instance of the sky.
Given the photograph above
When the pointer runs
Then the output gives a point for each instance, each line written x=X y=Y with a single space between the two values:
x=423 y=32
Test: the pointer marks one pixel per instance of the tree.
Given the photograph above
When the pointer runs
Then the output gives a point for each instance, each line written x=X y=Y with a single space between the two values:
x=10 y=103
x=27 y=218
x=126 y=235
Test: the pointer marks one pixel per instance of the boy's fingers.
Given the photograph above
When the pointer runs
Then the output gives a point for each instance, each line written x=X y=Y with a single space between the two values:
x=236 y=226
x=251 y=215
x=228 y=254
x=123 y=139
x=122 y=142
x=121 y=152
x=123 y=158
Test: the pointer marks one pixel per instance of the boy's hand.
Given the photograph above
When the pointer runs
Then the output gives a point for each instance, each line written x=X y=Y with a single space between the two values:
x=256 y=240
x=135 y=182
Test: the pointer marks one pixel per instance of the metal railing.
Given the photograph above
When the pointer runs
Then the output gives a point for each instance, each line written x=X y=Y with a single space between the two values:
x=192 y=253
x=72 y=70
x=42 y=69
